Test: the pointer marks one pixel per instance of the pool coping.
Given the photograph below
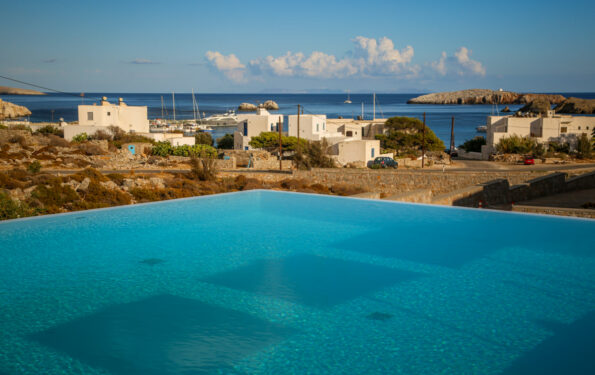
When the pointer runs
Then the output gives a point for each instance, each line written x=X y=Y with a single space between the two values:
x=272 y=191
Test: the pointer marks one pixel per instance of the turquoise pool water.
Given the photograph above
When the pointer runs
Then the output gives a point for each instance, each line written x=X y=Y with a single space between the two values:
x=265 y=282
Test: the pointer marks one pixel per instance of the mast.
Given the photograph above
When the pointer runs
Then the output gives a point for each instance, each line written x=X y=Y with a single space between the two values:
x=173 y=103
x=374 y=108
x=162 y=107
x=362 y=110
x=193 y=107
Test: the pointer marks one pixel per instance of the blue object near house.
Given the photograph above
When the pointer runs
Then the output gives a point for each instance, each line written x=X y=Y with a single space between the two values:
x=132 y=149
x=225 y=157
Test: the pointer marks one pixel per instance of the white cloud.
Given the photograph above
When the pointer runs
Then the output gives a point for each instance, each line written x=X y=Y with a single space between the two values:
x=460 y=64
x=369 y=57
x=230 y=65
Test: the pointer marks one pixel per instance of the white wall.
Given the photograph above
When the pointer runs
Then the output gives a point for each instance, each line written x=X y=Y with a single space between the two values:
x=129 y=119
x=71 y=130
x=250 y=125
x=312 y=127
x=357 y=150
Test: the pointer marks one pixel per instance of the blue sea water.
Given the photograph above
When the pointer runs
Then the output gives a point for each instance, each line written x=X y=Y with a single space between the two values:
x=266 y=282
x=438 y=117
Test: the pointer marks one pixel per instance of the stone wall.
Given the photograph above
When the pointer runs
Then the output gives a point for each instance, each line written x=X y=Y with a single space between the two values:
x=575 y=212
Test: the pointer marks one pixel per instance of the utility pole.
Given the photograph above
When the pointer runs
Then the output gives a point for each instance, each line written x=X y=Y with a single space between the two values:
x=298 y=129
x=423 y=142
x=280 y=126
x=173 y=103
x=374 y=108
x=452 y=136
x=52 y=111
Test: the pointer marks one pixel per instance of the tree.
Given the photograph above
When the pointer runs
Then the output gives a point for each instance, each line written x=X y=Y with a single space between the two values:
x=584 y=147
x=225 y=142
x=473 y=145
x=315 y=154
x=270 y=141
x=405 y=136
x=203 y=138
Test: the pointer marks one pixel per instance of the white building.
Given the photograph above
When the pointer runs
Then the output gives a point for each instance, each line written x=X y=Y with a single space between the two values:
x=251 y=125
x=130 y=119
x=549 y=128
x=346 y=136
x=100 y=117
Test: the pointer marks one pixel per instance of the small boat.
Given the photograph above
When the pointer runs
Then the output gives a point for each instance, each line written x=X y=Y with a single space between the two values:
x=482 y=129
x=225 y=119
x=348 y=101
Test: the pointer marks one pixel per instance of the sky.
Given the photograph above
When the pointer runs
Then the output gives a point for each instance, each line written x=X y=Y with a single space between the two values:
x=305 y=46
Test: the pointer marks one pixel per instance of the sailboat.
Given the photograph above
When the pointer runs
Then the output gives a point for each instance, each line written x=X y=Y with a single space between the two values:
x=348 y=101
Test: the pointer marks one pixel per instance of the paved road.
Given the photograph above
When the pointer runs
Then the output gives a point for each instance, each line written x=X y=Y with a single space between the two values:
x=460 y=166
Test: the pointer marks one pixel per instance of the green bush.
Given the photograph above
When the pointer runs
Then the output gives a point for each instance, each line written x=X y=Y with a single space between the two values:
x=34 y=167
x=559 y=147
x=13 y=209
x=225 y=142
x=200 y=150
x=49 y=129
x=203 y=138
x=82 y=137
x=516 y=144
x=314 y=155
x=2 y=126
x=584 y=147
x=473 y=145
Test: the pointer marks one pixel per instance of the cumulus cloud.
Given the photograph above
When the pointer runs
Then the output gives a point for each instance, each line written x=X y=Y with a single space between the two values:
x=460 y=64
x=230 y=65
x=142 y=62
x=369 y=57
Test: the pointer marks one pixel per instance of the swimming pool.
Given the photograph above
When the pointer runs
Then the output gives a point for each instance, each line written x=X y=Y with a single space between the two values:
x=275 y=283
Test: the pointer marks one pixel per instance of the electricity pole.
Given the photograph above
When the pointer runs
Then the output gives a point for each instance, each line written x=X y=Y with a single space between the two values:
x=280 y=126
x=452 y=136
x=423 y=142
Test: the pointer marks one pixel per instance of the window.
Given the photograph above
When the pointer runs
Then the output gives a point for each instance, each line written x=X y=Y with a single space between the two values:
x=579 y=128
x=245 y=128
x=323 y=126
x=272 y=127
x=349 y=133
x=317 y=127
x=372 y=151
x=89 y=116
x=246 y=148
x=563 y=129
x=108 y=113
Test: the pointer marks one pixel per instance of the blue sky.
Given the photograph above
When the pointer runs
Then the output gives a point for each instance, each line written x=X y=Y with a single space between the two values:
x=241 y=46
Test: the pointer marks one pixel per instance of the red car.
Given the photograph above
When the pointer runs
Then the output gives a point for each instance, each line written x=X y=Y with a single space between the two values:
x=529 y=161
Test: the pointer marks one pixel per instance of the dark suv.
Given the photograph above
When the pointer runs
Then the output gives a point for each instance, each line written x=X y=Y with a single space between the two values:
x=385 y=162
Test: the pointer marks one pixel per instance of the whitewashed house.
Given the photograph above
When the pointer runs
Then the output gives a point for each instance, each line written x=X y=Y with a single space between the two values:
x=250 y=125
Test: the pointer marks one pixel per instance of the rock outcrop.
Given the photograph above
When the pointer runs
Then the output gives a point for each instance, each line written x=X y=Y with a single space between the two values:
x=247 y=107
x=10 y=110
x=576 y=106
x=481 y=96
x=271 y=105
x=5 y=90
x=537 y=106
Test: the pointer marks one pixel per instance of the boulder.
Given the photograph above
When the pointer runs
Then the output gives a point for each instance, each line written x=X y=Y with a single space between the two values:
x=576 y=106
x=247 y=107
x=10 y=110
x=157 y=182
x=538 y=106
x=270 y=105
x=84 y=185
x=109 y=185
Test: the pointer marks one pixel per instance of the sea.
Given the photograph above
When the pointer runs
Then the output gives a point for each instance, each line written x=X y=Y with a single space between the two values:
x=438 y=117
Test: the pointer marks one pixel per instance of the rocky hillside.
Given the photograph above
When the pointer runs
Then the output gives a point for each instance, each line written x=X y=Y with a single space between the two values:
x=5 y=90
x=10 y=110
x=481 y=96
x=577 y=106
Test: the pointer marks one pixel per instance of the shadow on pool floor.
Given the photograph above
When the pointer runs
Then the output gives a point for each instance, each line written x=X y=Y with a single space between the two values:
x=163 y=335
x=570 y=351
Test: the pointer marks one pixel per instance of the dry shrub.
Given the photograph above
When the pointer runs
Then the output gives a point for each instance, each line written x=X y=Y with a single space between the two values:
x=92 y=173
x=153 y=194
x=55 y=197
x=293 y=184
x=7 y=182
x=101 y=135
x=56 y=141
x=19 y=174
x=344 y=189
x=203 y=169
x=77 y=162
x=91 y=149
x=320 y=188
x=117 y=178
x=98 y=196
x=45 y=179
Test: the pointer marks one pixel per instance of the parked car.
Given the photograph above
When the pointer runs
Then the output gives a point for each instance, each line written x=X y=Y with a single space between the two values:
x=385 y=162
x=529 y=160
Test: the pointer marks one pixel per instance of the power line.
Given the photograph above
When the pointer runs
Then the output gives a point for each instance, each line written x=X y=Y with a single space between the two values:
x=40 y=87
